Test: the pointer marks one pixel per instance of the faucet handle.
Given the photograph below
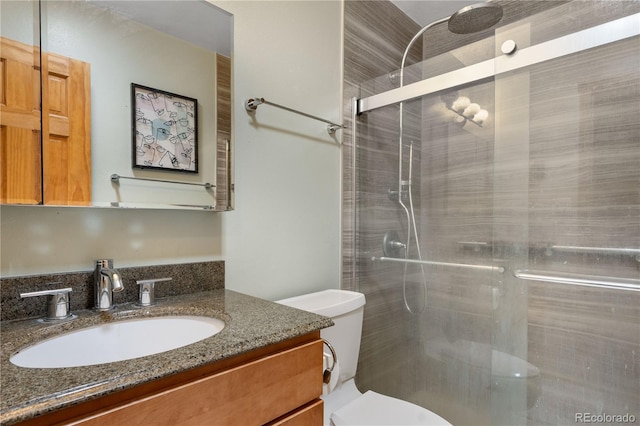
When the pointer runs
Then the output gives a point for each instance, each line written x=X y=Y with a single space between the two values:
x=146 y=296
x=58 y=303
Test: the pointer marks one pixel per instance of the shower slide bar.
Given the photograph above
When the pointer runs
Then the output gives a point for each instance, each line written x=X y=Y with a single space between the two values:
x=251 y=105
x=115 y=178
x=599 y=35
x=579 y=280
x=499 y=269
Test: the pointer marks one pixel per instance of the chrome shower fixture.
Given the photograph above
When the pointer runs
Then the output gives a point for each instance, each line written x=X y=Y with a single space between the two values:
x=470 y=19
x=392 y=246
x=394 y=77
x=404 y=188
x=474 y=18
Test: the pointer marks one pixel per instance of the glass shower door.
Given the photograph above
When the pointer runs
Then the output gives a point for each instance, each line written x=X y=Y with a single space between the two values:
x=528 y=224
x=567 y=217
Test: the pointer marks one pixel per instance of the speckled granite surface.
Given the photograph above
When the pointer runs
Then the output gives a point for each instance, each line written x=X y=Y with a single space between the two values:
x=186 y=278
x=251 y=323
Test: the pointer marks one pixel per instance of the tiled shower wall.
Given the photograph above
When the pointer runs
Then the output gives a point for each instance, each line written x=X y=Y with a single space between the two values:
x=572 y=180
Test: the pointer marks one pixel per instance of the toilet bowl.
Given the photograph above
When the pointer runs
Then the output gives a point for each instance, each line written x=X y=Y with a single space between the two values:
x=510 y=375
x=344 y=404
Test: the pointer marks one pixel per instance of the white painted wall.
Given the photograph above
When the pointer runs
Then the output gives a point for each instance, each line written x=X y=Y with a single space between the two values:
x=284 y=236
x=17 y=21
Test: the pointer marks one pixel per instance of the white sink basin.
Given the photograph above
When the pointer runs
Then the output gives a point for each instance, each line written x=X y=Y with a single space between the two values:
x=117 y=341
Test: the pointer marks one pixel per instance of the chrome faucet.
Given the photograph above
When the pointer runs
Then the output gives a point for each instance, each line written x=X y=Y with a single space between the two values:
x=107 y=281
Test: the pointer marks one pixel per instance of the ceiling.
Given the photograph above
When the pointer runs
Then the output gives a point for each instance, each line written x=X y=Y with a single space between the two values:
x=204 y=24
x=427 y=11
x=422 y=12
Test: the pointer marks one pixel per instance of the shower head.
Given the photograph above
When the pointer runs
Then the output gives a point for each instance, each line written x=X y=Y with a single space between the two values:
x=474 y=18
x=470 y=19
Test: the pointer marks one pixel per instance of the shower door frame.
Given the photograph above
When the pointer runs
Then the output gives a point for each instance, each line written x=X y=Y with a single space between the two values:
x=579 y=41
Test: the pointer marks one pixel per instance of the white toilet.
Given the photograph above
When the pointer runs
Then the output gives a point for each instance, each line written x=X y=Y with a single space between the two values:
x=344 y=404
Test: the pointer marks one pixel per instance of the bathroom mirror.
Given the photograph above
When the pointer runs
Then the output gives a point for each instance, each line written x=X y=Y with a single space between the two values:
x=105 y=142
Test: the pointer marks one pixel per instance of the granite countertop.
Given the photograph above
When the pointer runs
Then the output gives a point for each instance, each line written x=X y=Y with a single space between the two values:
x=251 y=323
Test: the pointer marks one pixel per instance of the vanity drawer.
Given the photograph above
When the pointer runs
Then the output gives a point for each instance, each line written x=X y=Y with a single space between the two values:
x=311 y=414
x=253 y=393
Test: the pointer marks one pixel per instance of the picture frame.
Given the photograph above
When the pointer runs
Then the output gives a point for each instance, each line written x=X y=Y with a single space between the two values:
x=164 y=130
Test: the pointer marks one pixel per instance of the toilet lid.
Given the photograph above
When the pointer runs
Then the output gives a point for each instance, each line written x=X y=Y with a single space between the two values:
x=374 y=409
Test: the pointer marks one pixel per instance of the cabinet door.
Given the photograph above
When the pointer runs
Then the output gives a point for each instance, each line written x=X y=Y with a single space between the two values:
x=20 y=155
x=60 y=163
x=254 y=393
x=66 y=124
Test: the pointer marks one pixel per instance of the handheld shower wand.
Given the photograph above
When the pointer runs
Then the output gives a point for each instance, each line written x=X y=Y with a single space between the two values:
x=470 y=19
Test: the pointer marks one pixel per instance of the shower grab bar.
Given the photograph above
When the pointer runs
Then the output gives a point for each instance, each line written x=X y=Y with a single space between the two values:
x=579 y=279
x=116 y=179
x=499 y=269
x=622 y=251
x=579 y=41
x=601 y=250
x=252 y=104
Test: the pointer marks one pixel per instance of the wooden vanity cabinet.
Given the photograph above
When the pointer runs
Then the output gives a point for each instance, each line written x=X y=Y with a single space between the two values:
x=277 y=385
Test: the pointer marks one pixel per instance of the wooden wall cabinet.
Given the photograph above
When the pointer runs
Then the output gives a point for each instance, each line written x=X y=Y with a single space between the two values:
x=45 y=136
x=20 y=153
x=277 y=385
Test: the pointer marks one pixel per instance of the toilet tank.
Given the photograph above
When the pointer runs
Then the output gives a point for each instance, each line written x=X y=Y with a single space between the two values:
x=346 y=309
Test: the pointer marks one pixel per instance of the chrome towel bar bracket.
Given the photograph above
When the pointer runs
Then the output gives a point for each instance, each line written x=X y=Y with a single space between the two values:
x=115 y=178
x=251 y=105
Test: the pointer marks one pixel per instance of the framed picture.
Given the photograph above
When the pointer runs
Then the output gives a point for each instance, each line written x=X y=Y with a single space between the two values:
x=164 y=130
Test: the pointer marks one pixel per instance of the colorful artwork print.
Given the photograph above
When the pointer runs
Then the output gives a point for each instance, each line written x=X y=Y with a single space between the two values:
x=164 y=130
